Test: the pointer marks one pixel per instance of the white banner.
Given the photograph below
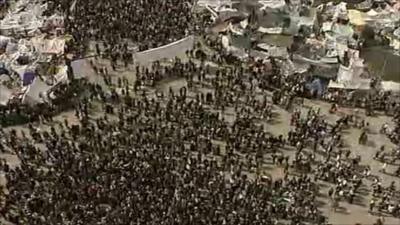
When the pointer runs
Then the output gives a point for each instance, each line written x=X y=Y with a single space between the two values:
x=167 y=51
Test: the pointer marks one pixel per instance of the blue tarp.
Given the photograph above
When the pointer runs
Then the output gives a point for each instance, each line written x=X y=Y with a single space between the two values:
x=28 y=78
x=316 y=87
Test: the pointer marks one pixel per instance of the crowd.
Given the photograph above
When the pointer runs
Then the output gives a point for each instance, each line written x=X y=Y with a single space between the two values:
x=192 y=155
x=158 y=159
x=119 y=24
x=154 y=163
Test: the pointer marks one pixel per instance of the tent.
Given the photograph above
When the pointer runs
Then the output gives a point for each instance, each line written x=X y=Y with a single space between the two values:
x=340 y=11
x=372 y=13
x=26 y=16
x=356 y=17
x=321 y=63
x=37 y=91
x=272 y=4
x=272 y=30
x=274 y=51
x=395 y=40
x=49 y=46
x=390 y=86
x=364 y=84
x=342 y=31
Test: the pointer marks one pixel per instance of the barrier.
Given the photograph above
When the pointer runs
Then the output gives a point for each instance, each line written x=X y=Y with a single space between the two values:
x=166 y=51
x=214 y=3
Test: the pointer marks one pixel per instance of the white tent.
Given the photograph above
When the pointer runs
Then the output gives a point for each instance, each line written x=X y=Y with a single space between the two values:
x=390 y=86
x=37 y=91
x=352 y=73
x=273 y=4
x=362 y=85
x=5 y=95
x=272 y=30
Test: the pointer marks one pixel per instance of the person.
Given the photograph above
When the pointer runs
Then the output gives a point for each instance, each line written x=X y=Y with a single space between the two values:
x=380 y=221
x=384 y=128
x=397 y=172
x=371 y=205
x=362 y=140
x=333 y=108
x=383 y=169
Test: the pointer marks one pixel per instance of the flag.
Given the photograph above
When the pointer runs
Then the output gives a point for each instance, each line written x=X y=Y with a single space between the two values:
x=72 y=8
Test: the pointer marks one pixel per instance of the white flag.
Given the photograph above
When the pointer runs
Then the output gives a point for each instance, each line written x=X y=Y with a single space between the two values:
x=72 y=6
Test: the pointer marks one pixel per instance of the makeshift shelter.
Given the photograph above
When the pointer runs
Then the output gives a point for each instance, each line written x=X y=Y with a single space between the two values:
x=274 y=51
x=390 y=86
x=81 y=68
x=382 y=19
x=357 y=19
x=288 y=67
x=340 y=11
x=362 y=85
x=395 y=39
x=342 y=31
x=352 y=73
x=258 y=54
x=38 y=90
x=321 y=63
x=396 y=33
x=5 y=95
x=272 y=4
x=274 y=21
x=55 y=21
x=272 y=30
